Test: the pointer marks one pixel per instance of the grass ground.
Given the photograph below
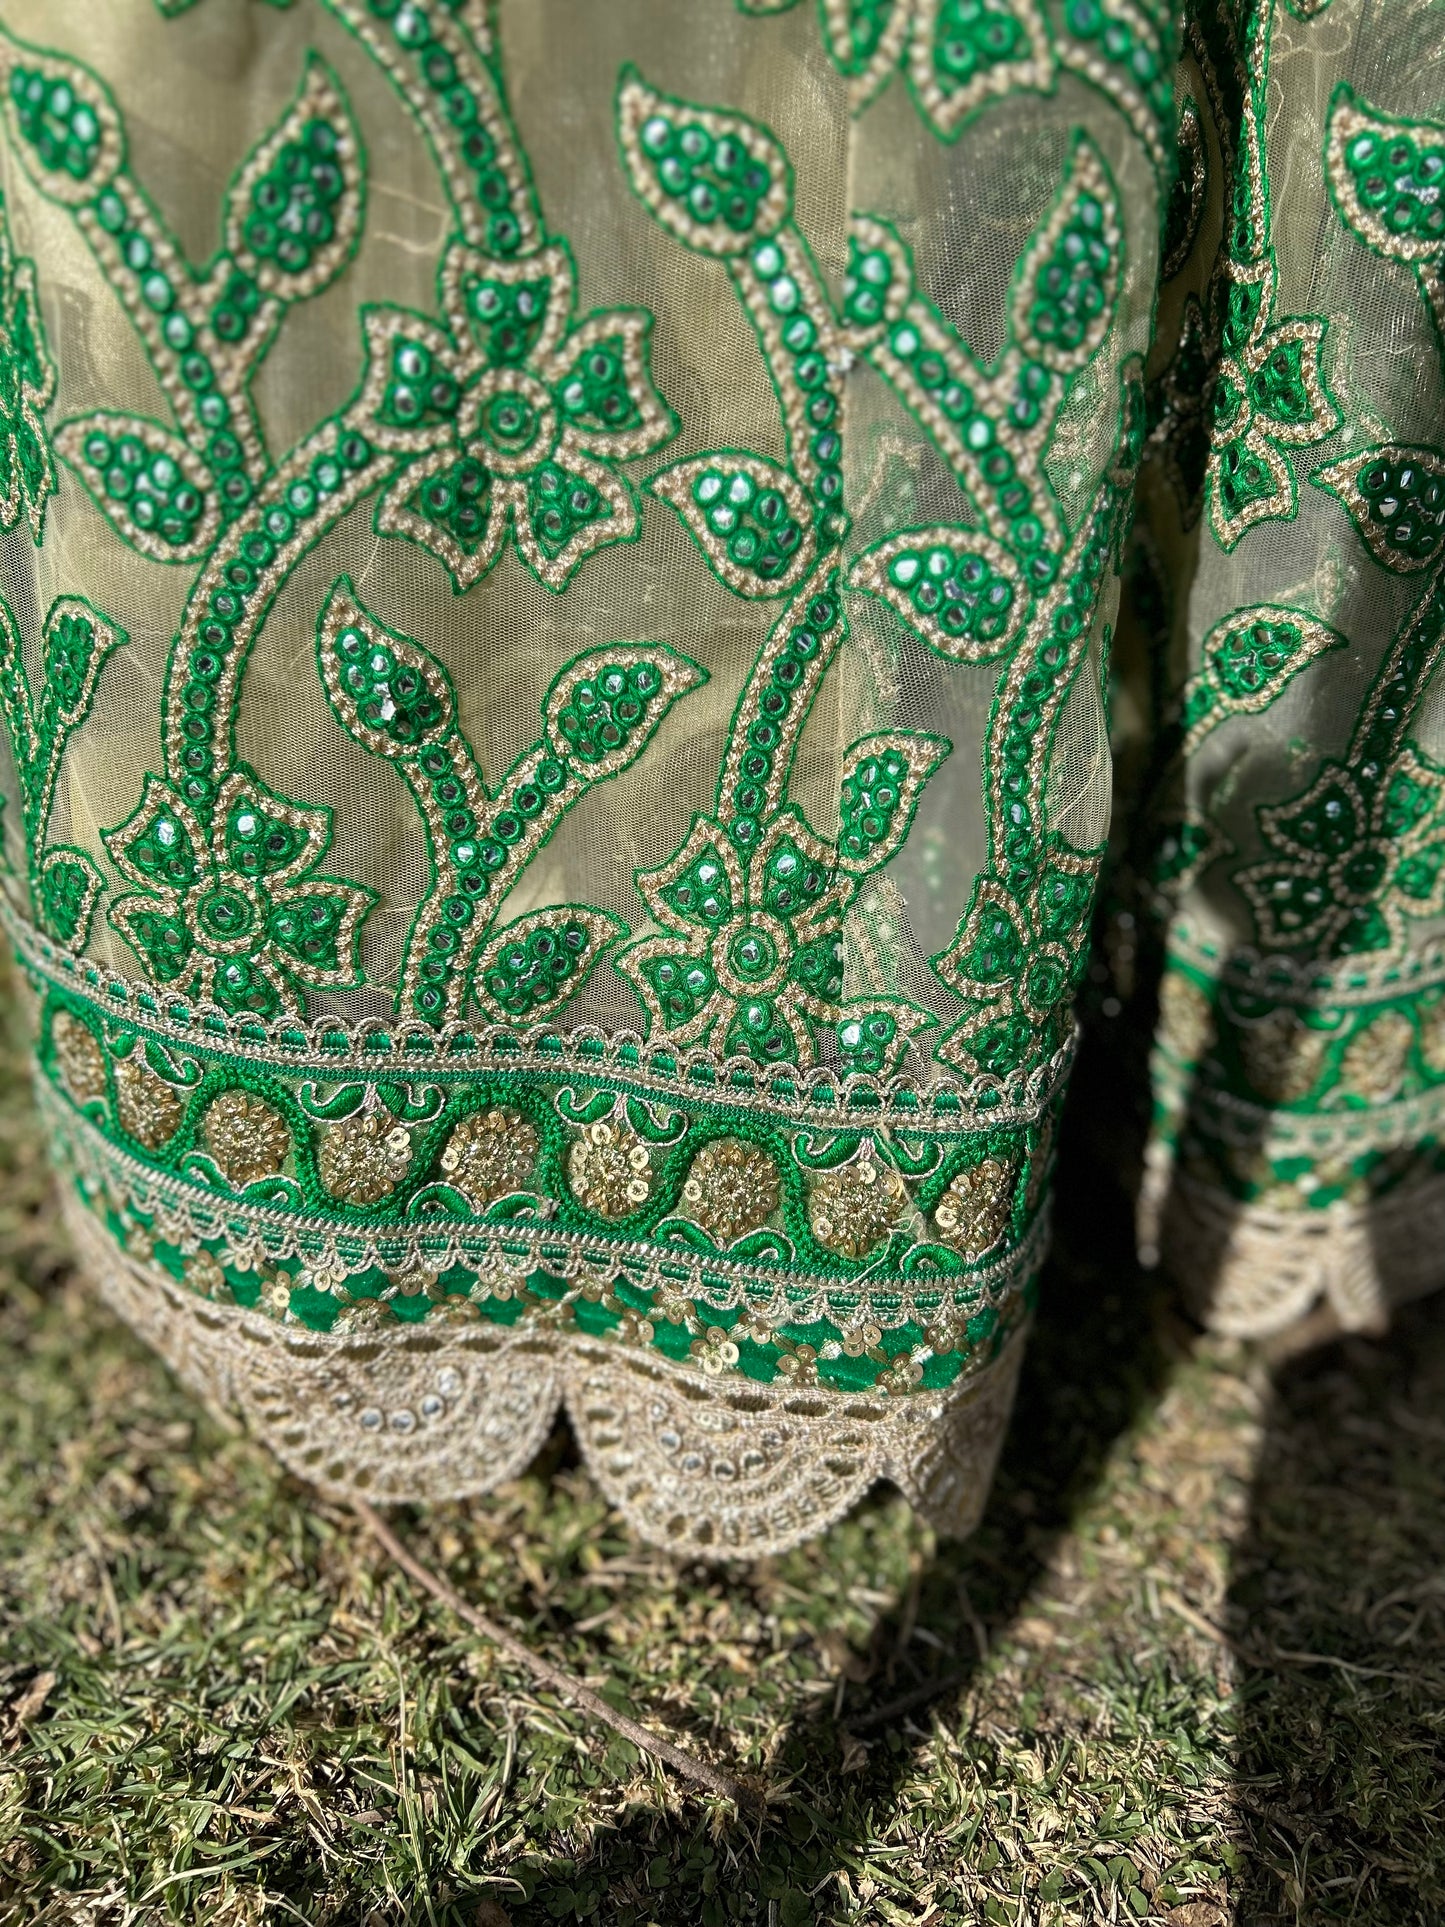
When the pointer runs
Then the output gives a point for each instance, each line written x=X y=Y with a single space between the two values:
x=1191 y=1669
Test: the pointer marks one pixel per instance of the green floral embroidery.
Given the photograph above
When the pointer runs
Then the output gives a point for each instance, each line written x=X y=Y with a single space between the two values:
x=397 y=701
x=293 y=215
x=236 y=912
x=1268 y=388
x=1026 y=591
x=75 y=642
x=27 y=388
x=514 y=418
x=751 y=905
x=961 y=55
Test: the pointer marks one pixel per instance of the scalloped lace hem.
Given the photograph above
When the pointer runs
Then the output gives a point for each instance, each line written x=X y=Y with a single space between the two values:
x=1251 y=1272
x=710 y=1467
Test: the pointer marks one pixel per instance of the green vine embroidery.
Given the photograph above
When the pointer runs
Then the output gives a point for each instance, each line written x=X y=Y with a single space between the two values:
x=75 y=642
x=27 y=388
x=1268 y=393
x=1363 y=848
x=960 y=55
x=397 y=701
x=1026 y=591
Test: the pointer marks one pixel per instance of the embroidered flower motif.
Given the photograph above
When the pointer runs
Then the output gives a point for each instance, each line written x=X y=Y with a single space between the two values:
x=27 y=388
x=973 y=1212
x=1269 y=395
x=610 y=1170
x=490 y=1155
x=79 y=1056
x=853 y=1208
x=1350 y=862
x=363 y=1159
x=246 y=1136
x=732 y=1188
x=516 y=415
x=149 y=1108
x=235 y=911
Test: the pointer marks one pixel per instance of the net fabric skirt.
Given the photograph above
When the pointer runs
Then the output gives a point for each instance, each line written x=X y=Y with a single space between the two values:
x=577 y=582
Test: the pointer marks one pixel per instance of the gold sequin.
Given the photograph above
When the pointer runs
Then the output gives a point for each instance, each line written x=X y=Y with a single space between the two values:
x=973 y=1212
x=365 y=1158
x=1282 y=1057
x=856 y=1206
x=149 y=1109
x=715 y=1352
x=1373 y=1065
x=490 y=1155
x=81 y=1060
x=1186 y=1018
x=610 y=1170
x=732 y=1187
x=246 y=1136
x=203 y=1274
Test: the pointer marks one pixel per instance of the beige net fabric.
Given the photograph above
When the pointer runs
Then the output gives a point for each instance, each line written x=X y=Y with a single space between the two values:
x=561 y=572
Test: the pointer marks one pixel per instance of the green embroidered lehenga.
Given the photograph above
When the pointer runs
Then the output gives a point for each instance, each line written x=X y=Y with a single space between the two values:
x=573 y=574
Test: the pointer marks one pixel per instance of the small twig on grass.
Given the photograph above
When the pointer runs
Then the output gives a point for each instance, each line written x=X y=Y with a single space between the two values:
x=543 y=1670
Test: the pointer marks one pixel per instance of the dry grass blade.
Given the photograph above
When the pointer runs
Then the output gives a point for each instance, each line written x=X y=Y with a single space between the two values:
x=556 y=1677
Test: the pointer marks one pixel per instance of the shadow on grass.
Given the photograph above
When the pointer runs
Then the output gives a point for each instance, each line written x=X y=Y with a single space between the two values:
x=1337 y=1604
x=1098 y=1360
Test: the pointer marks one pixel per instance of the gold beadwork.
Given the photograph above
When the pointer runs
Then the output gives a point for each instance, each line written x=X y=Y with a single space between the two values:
x=974 y=1211
x=1282 y=1057
x=203 y=1274
x=490 y=1155
x=1186 y=1019
x=855 y=1206
x=610 y=1170
x=81 y=1060
x=246 y=1136
x=732 y=1187
x=149 y=1109
x=364 y=1159
x=1373 y=1065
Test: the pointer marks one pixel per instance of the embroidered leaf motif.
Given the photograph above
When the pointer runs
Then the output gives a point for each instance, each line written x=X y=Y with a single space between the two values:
x=1068 y=280
x=389 y=693
x=603 y=708
x=964 y=53
x=1395 y=496
x=957 y=590
x=1246 y=660
x=61 y=122
x=148 y=482
x=27 y=388
x=748 y=516
x=295 y=209
x=397 y=701
x=76 y=641
x=536 y=962
x=717 y=181
x=1387 y=178
x=69 y=883
x=881 y=781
